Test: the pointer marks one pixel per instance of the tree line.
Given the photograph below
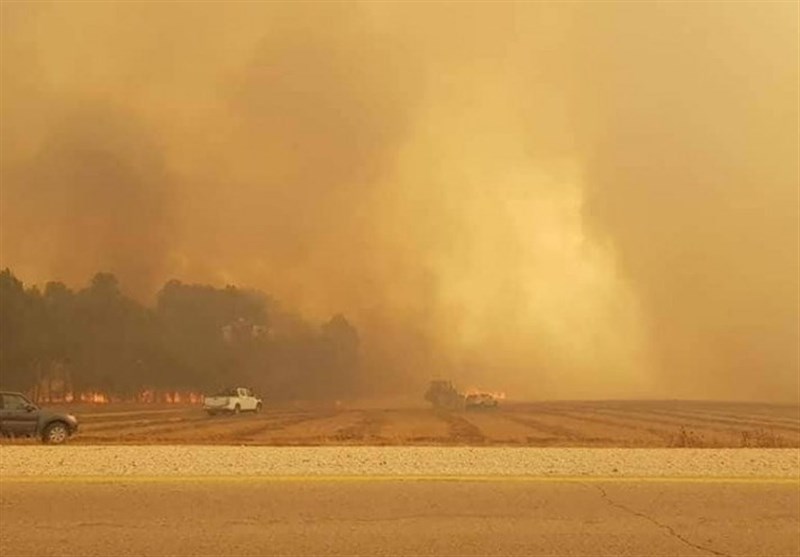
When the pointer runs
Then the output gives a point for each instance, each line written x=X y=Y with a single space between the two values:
x=195 y=338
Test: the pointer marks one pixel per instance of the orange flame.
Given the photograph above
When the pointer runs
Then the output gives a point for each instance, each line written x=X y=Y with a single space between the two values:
x=494 y=394
x=147 y=396
x=168 y=397
x=94 y=397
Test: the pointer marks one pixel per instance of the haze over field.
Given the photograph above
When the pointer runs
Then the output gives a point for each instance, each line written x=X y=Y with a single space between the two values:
x=556 y=200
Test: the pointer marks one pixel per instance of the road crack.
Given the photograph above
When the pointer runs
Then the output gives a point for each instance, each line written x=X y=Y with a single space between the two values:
x=671 y=531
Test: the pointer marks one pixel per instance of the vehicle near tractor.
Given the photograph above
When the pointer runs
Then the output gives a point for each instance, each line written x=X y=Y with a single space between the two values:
x=19 y=417
x=232 y=401
x=480 y=401
x=442 y=394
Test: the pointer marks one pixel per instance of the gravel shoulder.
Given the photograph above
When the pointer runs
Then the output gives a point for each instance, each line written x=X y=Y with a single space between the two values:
x=197 y=461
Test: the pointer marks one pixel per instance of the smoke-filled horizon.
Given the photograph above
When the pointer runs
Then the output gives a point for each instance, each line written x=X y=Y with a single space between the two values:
x=573 y=201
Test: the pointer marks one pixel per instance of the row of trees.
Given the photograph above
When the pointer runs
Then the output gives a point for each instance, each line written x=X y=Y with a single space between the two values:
x=195 y=338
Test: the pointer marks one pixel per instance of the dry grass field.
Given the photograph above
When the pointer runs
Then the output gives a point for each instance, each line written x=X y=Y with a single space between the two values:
x=536 y=424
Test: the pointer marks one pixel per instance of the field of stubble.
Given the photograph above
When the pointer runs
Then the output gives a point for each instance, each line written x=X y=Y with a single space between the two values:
x=540 y=424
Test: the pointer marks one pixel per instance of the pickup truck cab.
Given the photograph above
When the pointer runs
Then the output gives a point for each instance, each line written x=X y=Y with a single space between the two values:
x=232 y=401
x=19 y=417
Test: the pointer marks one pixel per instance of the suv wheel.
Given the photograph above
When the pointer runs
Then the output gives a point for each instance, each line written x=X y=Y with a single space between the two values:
x=237 y=409
x=258 y=408
x=55 y=434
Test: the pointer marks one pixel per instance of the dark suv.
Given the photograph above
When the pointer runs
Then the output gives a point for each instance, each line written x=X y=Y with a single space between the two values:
x=20 y=417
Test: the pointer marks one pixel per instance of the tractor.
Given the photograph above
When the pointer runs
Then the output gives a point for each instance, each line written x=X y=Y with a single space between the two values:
x=442 y=394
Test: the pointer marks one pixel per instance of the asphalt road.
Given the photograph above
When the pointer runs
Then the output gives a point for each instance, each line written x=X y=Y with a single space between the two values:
x=397 y=516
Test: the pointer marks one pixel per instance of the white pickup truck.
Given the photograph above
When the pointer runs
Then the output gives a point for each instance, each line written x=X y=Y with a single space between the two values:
x=232 y=401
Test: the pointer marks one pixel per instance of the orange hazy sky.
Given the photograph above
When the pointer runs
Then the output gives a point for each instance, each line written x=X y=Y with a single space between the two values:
x=558 y=200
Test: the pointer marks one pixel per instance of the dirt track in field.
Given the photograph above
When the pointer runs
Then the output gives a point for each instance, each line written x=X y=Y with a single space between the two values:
x=540 y=424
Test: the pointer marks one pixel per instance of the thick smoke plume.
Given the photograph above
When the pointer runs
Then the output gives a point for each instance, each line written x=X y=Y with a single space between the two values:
x=556 y=200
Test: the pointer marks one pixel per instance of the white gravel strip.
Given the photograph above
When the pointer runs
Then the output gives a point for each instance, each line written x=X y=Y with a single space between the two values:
x=389 y=461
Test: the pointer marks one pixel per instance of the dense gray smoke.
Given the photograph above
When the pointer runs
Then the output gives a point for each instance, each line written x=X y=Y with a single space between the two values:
x=555 y=200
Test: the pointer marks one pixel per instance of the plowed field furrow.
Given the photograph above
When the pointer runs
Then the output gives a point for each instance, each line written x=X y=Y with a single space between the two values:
x=791 y=422
x=653 y=433
x=234 y=427
x=497 y=426
x=716 y=435
x=762 y=411
x=187 y=433
x=559 y=423
x=733 y=422
x=173 y=427
x=107 y=417
x=746 y=417
x=745 y=412
x=597 y=430
x=414 y=426
x=647 y=417
x=346 y=426
x=554 y=432
x=366 y=426
x=140 y=425
x=677 y=414
x=461 y=430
